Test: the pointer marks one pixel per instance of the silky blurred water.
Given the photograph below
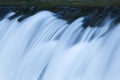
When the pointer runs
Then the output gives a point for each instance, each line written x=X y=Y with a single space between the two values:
x=44 y=47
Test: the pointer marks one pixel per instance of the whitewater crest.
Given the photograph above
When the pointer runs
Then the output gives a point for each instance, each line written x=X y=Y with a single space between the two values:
x=44 y=47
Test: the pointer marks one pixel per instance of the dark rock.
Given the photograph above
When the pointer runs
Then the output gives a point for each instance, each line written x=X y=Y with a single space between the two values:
x=94 y=16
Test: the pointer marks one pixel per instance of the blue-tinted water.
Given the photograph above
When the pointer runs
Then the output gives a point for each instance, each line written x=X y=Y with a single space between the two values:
x=44 y=47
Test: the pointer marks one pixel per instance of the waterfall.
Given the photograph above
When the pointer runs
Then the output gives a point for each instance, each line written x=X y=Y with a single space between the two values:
x=44 y=47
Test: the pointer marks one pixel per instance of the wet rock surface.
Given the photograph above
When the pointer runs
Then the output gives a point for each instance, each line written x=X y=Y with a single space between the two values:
x=94 y=16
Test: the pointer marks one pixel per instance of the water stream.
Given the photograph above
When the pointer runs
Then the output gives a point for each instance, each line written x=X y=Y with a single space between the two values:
x=44 y=47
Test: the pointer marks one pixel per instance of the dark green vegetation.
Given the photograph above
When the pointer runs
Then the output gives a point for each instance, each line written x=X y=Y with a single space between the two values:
x=53 y=3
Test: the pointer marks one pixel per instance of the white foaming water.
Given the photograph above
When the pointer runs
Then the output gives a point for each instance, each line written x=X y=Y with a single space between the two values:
x=43 y=47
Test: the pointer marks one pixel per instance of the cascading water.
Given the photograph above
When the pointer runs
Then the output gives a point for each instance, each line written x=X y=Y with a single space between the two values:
x=44 y=47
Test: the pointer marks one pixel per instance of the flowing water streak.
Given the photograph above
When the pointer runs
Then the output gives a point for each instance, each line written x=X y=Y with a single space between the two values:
x=44 y=47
